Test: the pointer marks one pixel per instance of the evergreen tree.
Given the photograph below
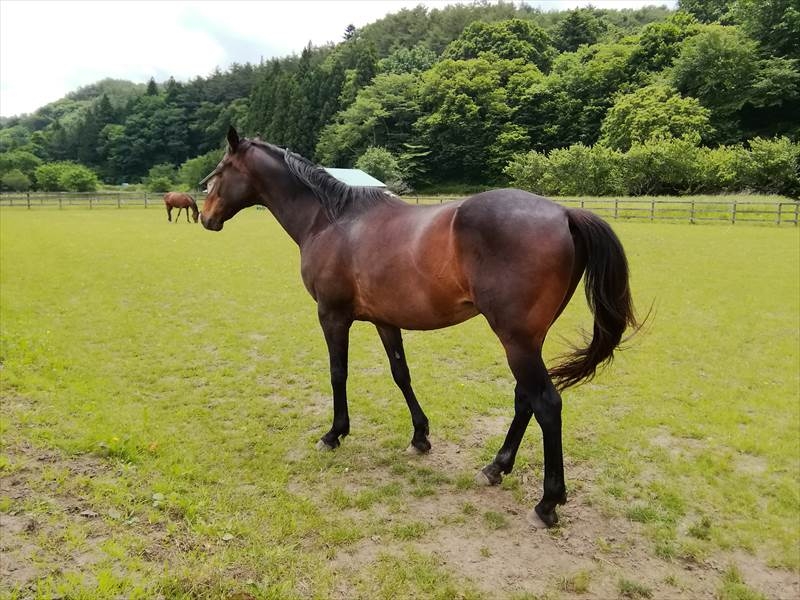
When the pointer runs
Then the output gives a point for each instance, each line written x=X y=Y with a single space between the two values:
x=580 y=27
x=152 y=88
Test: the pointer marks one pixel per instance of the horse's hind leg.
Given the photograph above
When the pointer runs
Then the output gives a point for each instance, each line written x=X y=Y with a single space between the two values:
x=393 y=343
x=169 y=213
x=534 y=395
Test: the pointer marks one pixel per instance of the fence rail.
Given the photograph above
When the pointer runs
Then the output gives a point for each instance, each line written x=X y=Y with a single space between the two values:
x=722 y=210
x=85 y=199
x=689 y=210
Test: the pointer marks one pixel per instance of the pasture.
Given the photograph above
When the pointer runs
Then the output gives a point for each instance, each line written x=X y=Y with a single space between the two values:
x=163 y=388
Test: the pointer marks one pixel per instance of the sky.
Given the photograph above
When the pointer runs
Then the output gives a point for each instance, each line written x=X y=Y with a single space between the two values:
x=51 y=48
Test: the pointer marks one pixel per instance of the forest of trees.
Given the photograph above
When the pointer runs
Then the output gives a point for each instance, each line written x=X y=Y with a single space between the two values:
x=466 y=95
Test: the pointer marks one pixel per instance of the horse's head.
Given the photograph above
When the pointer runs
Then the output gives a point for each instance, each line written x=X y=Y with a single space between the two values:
x=231 y=187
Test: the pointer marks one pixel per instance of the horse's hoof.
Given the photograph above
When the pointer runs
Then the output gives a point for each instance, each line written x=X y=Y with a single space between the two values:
x=323 y=446
x=412 y=450
x=535 y=521
x=422 y=446
x=549 y=519
x=482 y=480
x=489 y=475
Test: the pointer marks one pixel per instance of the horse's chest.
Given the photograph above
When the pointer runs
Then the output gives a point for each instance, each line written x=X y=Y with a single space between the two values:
x=327 y=277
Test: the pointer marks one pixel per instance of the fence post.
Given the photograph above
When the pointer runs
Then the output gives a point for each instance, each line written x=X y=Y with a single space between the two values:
x=616 y=207
x=652 y=208
x=90 y=202
x=796 y=206
x=59 y=202
x=28 y=196
x=691 y=213
x=119 y=197
x=778 y=217
x=145 y=199
x=733 y=213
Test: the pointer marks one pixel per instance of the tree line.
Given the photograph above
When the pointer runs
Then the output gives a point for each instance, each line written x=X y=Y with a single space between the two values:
x=457 y=96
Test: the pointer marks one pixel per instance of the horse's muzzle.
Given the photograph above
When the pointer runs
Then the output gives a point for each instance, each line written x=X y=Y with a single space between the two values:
x=210 y=223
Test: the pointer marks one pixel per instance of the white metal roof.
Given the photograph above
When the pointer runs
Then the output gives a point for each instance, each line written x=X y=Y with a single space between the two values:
x=355 y=177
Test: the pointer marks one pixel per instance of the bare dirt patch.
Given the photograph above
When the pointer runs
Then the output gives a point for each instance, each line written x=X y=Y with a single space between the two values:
x=33 y=528
x=48 y=527
x=483 y=535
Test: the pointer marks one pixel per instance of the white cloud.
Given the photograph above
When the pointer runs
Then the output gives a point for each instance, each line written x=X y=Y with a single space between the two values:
x=48 y=49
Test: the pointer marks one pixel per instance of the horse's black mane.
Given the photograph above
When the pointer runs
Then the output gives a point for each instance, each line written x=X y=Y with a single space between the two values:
x=336 y=197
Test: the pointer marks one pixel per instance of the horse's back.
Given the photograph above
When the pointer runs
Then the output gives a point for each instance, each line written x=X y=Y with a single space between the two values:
x=179 y=200
x=424 y=267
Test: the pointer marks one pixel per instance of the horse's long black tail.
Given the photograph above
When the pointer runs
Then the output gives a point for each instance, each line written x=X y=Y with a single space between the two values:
x=608 y=294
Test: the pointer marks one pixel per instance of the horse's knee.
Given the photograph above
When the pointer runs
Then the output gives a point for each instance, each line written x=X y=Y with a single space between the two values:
x=338 y=375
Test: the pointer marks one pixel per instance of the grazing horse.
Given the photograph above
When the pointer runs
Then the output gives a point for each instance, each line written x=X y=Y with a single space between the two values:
x=180 y=201
x=513 y=257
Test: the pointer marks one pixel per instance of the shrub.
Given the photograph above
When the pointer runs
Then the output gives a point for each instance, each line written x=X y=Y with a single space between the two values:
x=65 y=176
x=77 y=178
x=15 y=180
x=582 y=171
x=725 y=169
x=775 y=166
x=526 y=171
x=660 y=166
x=669 y=166
x=195 y=169
x=382 y=165
x=21 y=160
x=47 y=177
x=379 y=162
x=160 y=178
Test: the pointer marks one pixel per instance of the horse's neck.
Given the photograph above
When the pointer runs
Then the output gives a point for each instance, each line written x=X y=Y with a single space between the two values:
x=298 y=212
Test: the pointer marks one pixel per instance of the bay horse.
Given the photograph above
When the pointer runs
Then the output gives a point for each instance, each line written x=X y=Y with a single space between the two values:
x=514 y=257
x=180 y=201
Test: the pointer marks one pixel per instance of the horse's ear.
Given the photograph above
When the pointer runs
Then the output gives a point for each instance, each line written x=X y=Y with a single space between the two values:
x=233 y=138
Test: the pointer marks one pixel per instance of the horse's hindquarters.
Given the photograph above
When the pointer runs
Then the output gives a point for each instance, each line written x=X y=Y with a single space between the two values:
x=518 y=255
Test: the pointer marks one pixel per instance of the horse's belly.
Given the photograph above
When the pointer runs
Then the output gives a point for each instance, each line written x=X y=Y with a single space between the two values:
x=415 y=303
x=419 y=319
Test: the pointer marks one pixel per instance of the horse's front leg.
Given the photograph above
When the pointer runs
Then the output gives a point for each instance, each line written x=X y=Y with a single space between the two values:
x=336 y=327
x=393 y=343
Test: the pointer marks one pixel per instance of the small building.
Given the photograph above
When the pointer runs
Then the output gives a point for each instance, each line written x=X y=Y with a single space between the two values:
x=356 y=177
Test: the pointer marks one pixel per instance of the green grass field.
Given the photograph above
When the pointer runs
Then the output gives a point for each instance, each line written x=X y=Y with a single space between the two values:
x=163 y=388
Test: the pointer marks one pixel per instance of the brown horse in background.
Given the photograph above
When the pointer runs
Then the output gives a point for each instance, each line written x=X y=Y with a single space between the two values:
x=513 y=257
x=180 y=201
